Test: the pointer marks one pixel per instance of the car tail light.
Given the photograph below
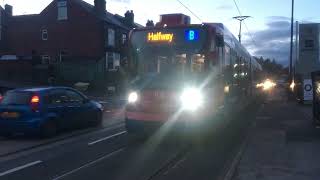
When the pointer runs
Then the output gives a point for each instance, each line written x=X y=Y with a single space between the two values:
x=1 y=97
x=34 y=102
x=35 y=99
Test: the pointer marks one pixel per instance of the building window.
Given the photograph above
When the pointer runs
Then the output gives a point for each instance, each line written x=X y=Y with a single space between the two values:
x=45 y=59
x=63 y=55
x=112 y=61
x=62 y=10
x=44 y=34
x=124 y=38
x=111 y=37
x=309 y=44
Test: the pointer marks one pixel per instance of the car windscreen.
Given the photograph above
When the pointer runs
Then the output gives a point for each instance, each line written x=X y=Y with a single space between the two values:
x=16 y=98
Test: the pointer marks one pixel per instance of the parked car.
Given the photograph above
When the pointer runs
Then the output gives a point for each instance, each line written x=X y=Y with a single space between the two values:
x=46 y=110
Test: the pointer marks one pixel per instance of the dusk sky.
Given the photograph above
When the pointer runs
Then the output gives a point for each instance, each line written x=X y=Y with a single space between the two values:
x=269 y=25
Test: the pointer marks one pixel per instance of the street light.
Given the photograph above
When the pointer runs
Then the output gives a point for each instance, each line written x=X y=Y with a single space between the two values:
x=240 y=19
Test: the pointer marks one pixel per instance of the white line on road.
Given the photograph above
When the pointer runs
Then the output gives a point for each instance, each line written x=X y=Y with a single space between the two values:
x=19 y=168
x=263 y=117
x=175 y=165
x=88 y=165
x=106 y=138
x=103 y=102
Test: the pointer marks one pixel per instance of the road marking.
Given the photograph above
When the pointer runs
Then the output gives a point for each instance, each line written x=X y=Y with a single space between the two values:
x=175 y=165
x=103 y=102
x=263 y=117
x=88 y=165
x=19 y=168
x=63 y=139
x=106 y=138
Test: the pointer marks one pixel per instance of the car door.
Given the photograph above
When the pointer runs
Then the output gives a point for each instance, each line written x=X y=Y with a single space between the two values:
x=79 y=107
x=57 y=105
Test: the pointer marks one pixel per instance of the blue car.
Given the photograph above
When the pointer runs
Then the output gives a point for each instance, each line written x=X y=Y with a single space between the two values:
x=46 y=110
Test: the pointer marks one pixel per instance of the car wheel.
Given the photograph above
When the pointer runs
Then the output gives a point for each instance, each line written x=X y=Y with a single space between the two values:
x=48 y=129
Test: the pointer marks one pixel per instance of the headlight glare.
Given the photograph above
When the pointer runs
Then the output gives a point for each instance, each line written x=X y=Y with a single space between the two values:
x=133 y=97
x=191 y=99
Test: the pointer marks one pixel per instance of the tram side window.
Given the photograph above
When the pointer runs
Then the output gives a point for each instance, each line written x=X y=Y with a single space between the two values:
x=212 y=45
x=220 y=41
x=237 y=67
x=228 y=65
x=227 y=56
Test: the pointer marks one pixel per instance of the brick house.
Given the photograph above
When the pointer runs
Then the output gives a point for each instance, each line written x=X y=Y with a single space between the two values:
x=71 y=40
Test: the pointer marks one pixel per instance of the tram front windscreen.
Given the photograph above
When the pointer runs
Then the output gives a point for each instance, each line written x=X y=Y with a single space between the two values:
x=174 y=53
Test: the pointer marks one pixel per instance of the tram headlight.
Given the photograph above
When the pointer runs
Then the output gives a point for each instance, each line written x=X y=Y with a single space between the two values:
x=191 y=99
x=133 y=97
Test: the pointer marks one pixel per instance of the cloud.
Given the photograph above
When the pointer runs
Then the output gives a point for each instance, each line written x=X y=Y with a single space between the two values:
x=278 y=18
x=272 y=42
x=121 y=1
x=225 y=7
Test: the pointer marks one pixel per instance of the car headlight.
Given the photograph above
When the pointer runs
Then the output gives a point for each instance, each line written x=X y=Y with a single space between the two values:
x=133 y=97
x=191 y=99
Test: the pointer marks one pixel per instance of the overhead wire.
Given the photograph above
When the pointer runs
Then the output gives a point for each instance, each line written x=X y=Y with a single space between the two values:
x=194 y=14
x=238 y=9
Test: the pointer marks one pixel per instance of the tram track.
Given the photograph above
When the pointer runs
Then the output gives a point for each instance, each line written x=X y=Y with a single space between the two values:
x=171 y=163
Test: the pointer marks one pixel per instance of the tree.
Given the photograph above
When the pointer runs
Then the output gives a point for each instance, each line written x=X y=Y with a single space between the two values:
x=270 y=67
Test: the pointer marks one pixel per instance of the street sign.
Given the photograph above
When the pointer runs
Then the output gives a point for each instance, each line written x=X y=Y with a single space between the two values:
x=307 y=90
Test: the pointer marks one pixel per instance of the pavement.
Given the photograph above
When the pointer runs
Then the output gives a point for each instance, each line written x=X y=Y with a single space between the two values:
x=282 y=143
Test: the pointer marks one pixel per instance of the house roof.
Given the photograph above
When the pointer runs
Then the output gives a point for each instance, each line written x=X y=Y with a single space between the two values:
x=108 y=17
x=121 y=18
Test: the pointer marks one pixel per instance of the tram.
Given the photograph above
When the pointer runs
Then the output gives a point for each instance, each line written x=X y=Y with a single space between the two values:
x=184 y=73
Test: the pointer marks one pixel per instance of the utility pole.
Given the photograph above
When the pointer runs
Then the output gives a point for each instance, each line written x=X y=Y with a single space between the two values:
x=297 y=49
x=240 y=19
x=291 y=42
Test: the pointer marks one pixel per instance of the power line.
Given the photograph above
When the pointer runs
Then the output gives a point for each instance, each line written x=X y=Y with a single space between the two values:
x=194 y=14
x=235 y=3
x=251 y=37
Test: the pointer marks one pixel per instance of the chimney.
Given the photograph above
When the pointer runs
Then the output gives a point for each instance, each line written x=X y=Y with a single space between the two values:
x=129 y=17
x=150 y=23
x=8 y=9
x=100 y=6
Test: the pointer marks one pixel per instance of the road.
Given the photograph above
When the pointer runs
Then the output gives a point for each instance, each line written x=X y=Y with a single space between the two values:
x=111 y=153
